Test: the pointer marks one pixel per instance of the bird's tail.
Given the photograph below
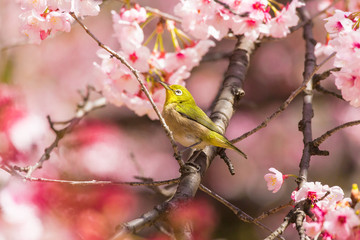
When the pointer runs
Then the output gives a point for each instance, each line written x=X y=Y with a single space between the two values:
x=238 y=150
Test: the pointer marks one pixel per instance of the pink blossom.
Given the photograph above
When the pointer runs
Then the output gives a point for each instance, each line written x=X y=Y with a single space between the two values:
x=203 y=19
x=42 y=18
x=81 y=8
x=340 y=222
x=335 y=194
x=310 y=190
x=347 y=46
x=136 y=13
x=274 y=180
x=189 y=57
x=33 y=23
x=115 y=79
x=279 y=26
x=312 y=228
x=323 y=49
x=339 y=22
x=195 y=15
x=57 y=21
x=38 y=26
x=251 y=28
x=257 y=9
x=349 y=84
x=129 y=34
x=38 y=5
x=138 y=58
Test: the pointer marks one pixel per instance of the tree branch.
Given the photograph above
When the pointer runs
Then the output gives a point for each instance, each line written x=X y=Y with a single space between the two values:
x=322 y=138
x=274 y=210
x=99 y=182
x=310 y=66
x=237 y=211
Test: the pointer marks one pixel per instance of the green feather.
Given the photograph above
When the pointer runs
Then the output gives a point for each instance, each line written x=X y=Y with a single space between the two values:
x=196 y=114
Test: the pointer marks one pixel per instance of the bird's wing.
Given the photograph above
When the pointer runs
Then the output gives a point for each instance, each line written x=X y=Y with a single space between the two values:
x=196 y=114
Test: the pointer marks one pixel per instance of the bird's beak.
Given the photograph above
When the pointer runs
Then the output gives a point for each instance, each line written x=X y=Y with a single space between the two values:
x=165 y=85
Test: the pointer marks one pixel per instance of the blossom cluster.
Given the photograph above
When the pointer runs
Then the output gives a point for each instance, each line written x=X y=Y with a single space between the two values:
x=334 y=218
x=42 y=18
x=119 y=84
x=253 y=18
x=344 y=39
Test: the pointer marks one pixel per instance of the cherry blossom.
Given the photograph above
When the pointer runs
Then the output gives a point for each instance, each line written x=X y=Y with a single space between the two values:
x=189 y=57
x=80 y=8
x=333 y=218
x=349 y=83
x=204 y=19
x=38 y=26
x=310 y=190
x=339 y=222
x=129 y=33
x=44 y=18
x=117 y=82
x=339 y=22
x=274 y=180
x=137 y=14
x=345 y=40
x=313 y=229
x=280 y=25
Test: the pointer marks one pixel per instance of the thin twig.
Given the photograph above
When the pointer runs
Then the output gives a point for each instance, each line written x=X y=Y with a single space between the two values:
x=280 y=229
x=319 y=77
x=297 y=216
x=136 y=73
x=84 y=109
x=333 y=3
x=99 y=182
x=285 y=104
x=323 y=137
x=321 y=89
x=274 y=210
x=15 y=45
x=159 y=13
x=237 y=211
x=322 y=76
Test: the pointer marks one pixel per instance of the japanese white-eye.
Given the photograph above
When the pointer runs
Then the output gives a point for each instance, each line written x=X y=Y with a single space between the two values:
x=189 y=124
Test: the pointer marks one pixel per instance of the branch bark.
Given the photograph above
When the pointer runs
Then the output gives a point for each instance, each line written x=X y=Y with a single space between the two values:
x=308 y=113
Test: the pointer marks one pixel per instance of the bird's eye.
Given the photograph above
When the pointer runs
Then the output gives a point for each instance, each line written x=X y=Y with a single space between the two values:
x=178 y=92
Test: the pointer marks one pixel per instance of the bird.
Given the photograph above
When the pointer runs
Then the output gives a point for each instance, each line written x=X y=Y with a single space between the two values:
x=190 y=125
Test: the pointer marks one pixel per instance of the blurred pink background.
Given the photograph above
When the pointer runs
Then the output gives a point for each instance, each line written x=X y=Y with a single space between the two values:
x=115 y=144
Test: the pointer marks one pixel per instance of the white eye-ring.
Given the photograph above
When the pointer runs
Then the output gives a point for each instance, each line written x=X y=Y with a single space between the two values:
x=178 y=92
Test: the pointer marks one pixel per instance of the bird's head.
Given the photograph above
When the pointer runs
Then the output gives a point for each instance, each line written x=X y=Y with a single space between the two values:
x=177 y=94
